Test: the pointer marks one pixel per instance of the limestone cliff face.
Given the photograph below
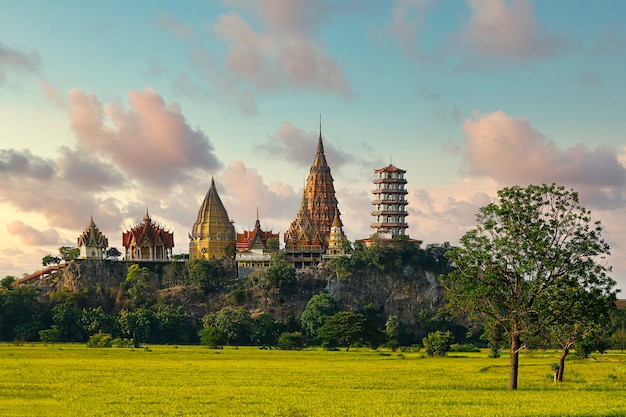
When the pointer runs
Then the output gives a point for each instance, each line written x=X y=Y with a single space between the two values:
x=403 y=293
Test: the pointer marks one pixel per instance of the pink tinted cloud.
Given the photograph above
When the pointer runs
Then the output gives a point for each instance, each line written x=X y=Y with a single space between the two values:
x=51 y=94
x=245 y=189
x=167 y=22
x=151 y=141
x=30 y=236
x=511 y=151
x=507 y=30
x=286 y=50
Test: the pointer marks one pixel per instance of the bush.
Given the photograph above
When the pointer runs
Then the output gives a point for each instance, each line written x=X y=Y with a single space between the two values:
x=438 y=343
x=100 y=340
x=122 y=342
x=291 y=341
x=212 y=337
x=466 y=347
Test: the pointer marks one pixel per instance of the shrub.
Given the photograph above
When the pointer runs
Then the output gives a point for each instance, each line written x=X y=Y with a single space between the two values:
x=291 y=341
x=100 y=340
x=438 y=343
x=212 y=337
x=466 y=347
x=122 y=342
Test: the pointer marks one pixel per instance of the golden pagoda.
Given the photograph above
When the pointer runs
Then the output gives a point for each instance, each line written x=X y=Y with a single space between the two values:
x=213 y=234
x=92 y=243
x=320 y=192
x=335 y=246
x=303 y=242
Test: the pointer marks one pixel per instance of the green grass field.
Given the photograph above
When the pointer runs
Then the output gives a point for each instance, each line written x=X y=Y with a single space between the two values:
x=72 y=380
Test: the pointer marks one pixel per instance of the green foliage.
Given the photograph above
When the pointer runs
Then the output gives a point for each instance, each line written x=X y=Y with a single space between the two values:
x=344 y=329
x=208 y=275
x=237 y=296
x=438 y=343
x=122 y=342
x=291 y=341
x=50 y=335
x=264 y=330
x=212 y=337
x=281 y=275
x=273 y=244
x=464 y=348
x=113 y=253
x=7 y=281
x=50 y=260
x=234 y=323
x=21 y=314
x=136 y=325
x=69 y=252
x=318 y=309
x=528 y=265
x=393 y=328
x=141 y=284
x=67 y=318
x=100 y=340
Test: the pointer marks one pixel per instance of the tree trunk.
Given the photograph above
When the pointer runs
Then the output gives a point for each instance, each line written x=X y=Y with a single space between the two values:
x=514 y=362
x=559 y=377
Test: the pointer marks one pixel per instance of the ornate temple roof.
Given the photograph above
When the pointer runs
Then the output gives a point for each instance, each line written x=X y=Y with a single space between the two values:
x=92 y=237
x=257 y=236
x=212 y=217
x=389 y=168
x=150 y=231
x=303 y=231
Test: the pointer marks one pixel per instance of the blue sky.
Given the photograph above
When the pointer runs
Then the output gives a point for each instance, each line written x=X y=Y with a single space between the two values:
x=109 y=108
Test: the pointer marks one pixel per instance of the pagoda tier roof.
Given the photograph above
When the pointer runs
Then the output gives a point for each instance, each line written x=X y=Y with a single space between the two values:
x=303 y=231
x=212 y=217
x=246 y=239
x=149 y=230
x=390 y=168
x=91 y=236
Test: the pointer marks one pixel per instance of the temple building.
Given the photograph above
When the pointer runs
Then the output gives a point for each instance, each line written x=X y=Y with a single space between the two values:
x=92 y=243
x=303 y=242
x=320 y=193
x=213 y=234
x=252 y=249
x=148 y=241
x=390 y=204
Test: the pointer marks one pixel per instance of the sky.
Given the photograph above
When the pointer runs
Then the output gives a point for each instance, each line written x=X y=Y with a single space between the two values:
x=109 y=109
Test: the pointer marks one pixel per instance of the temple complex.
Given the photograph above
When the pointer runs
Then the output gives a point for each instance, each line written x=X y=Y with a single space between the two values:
x=148 y=241
x=213 y=234
x=92 y=243
x=252 y=249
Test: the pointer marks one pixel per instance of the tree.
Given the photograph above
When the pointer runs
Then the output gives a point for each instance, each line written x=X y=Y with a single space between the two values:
x=343 y=329
x=212 y=337
x=209 y=275
x=516 y=267
x=7 y=281
x=281 y=275
x=273 y=244
x=141 y=283
x=317 y=310
x=50 y=260
x=392 y=329
x=234 y=323
x=291 y=341
x=438 y=343
x=113 y=253
x=69 y=252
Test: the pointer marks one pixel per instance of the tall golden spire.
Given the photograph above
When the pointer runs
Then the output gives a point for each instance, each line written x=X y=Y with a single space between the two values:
x=213 y=232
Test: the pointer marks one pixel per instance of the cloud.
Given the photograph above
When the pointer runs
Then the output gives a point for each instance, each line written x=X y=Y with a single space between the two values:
x=52 y=94
x=245 y=190
x=297 y=146
x=17 y=62
x=507 y=31
x=511 y=151
x=24 y=164
x=168 y=23
x=84 y=172
x=408 y=17
x=31 y=236
x=151 y=141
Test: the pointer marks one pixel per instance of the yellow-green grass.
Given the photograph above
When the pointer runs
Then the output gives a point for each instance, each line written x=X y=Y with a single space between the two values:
x=72 y=380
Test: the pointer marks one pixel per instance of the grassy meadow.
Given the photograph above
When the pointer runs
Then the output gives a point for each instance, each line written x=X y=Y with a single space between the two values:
x=73 y=380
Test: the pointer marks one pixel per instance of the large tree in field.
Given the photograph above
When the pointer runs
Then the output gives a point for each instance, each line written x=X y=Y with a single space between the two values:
x=517 y=269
